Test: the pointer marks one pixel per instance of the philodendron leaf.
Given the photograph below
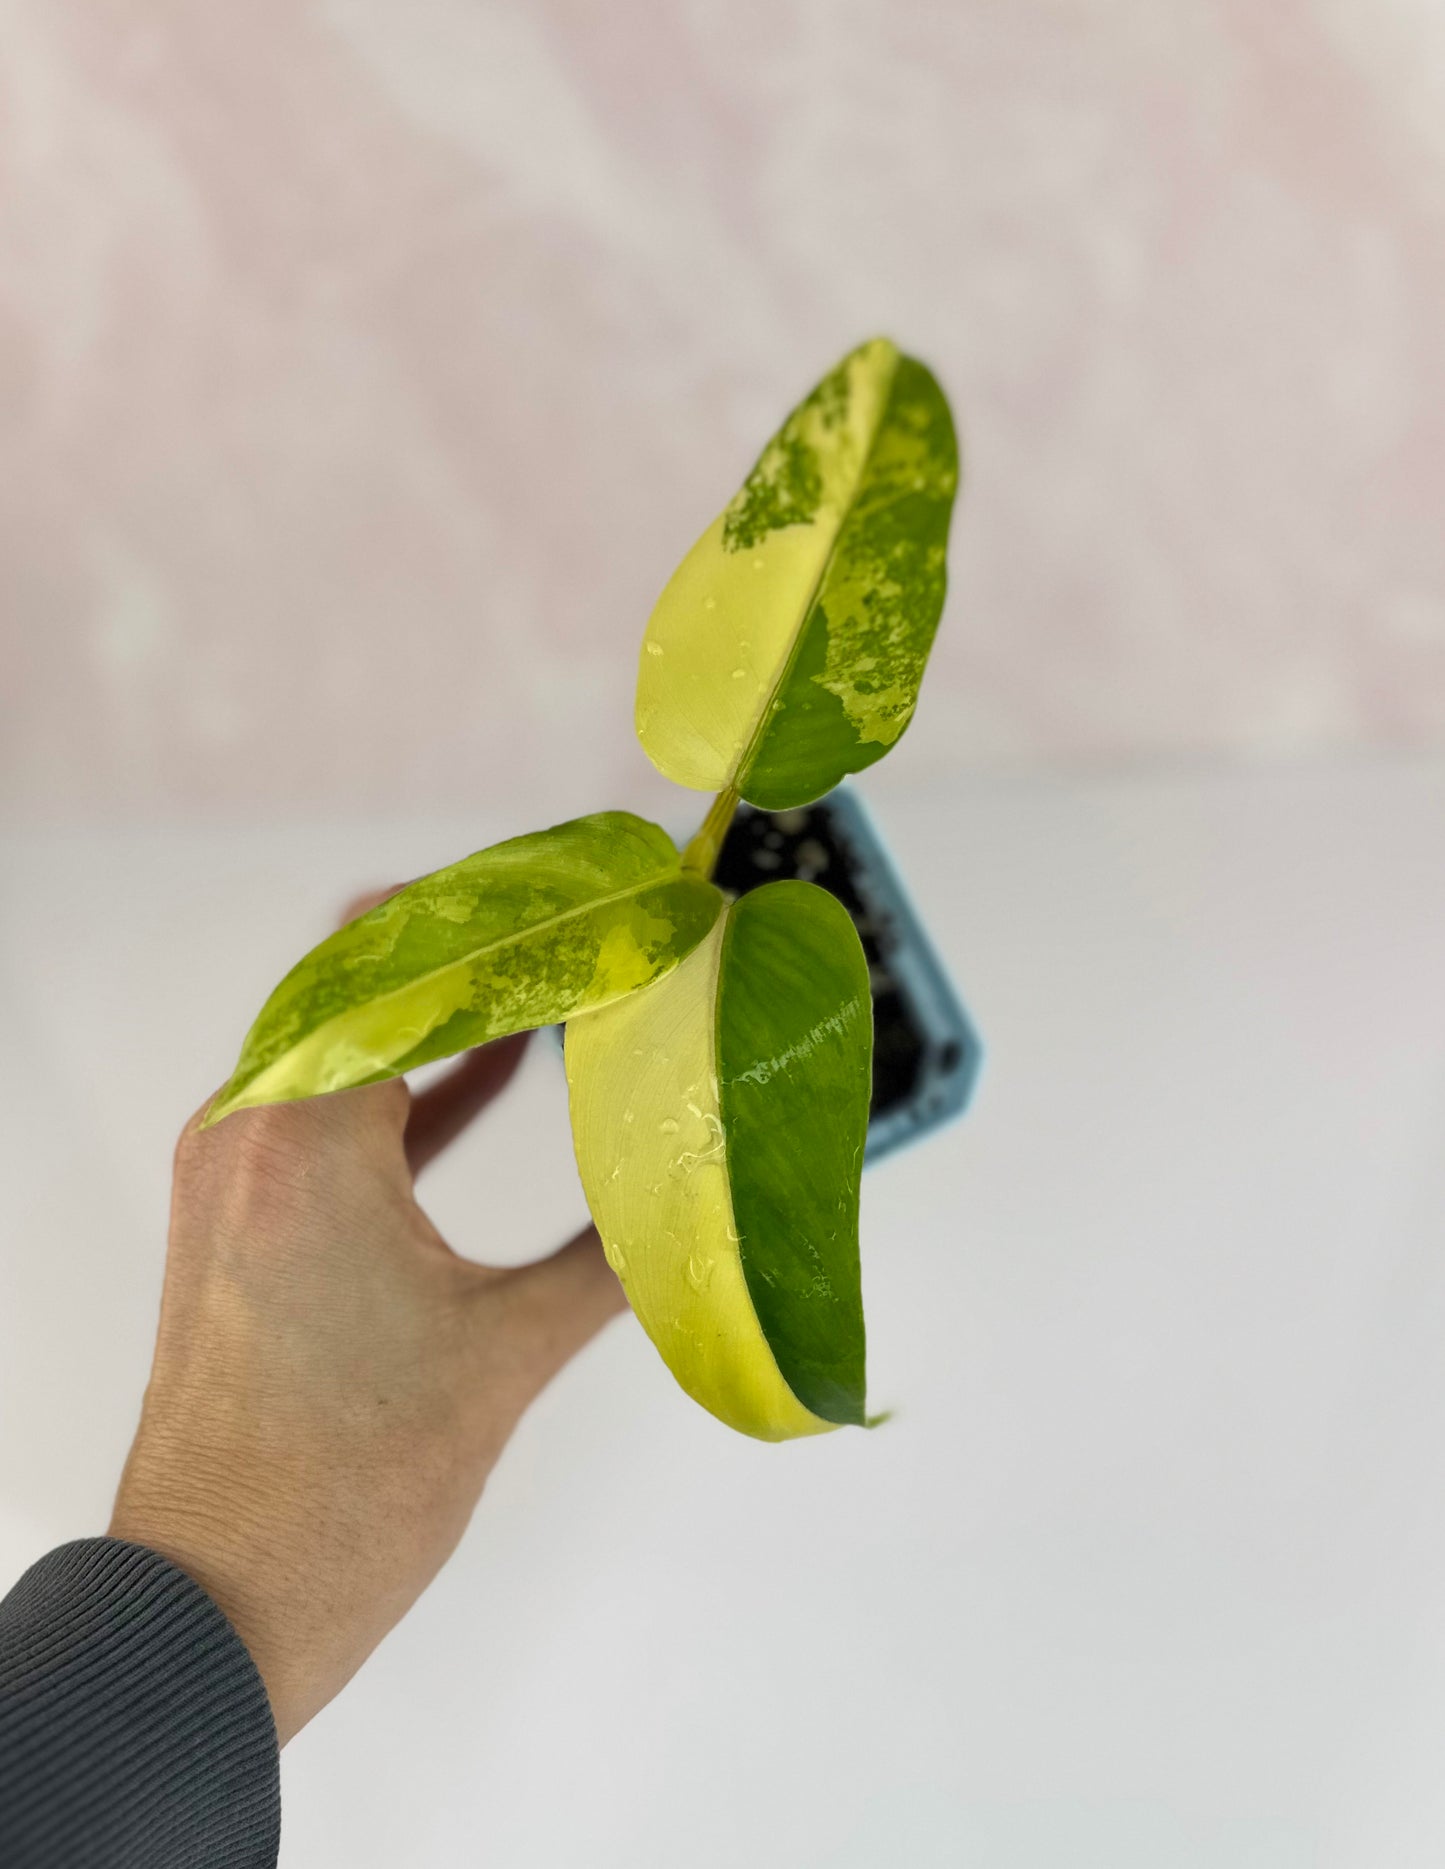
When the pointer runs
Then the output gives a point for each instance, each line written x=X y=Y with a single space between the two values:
x=719 y=1121
x=523 y=934
x=789 y=646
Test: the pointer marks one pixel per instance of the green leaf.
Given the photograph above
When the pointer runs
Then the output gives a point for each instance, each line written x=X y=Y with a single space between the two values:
x=790 y=644
x=520 y=935
x=719 y=1120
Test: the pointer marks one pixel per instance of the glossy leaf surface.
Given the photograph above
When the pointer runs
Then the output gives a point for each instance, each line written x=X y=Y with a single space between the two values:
x=790 y=644
x=719 y=1121
x=525 y=933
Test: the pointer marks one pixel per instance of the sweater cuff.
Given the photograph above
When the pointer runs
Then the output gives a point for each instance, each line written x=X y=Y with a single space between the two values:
x=135 y=1731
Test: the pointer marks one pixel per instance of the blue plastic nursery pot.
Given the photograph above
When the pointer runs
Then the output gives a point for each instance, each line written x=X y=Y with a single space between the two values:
x=926 y=1049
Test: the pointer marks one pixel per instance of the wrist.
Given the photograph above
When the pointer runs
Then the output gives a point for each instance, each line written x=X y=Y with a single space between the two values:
x=242 y=1577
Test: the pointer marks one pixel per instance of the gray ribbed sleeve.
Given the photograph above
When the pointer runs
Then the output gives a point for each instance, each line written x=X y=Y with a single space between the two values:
x=135 y=1732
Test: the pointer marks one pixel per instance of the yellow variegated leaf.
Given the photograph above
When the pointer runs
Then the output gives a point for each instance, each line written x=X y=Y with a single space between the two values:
x=789 y=646
x=520 y=935
x=719 y=1121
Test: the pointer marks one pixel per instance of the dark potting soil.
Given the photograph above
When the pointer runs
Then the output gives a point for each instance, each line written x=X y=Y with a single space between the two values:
x=770 y=846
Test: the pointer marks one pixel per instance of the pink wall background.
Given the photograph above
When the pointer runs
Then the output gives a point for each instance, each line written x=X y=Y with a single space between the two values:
x=365 y=367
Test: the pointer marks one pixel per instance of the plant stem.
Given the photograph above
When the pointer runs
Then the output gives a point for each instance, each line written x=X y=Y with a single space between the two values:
x=702 y=853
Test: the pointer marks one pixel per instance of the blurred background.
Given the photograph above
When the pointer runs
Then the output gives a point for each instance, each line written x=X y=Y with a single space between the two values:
x=365 y=368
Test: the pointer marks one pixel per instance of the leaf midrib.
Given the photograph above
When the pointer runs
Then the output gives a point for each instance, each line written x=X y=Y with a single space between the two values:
x=744 y=763
x=434 y=973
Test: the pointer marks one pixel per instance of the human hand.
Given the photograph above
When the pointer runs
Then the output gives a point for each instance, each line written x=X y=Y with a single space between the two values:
x=332 y=1384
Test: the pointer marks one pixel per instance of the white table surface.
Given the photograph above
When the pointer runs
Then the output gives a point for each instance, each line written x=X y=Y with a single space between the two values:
x=1148 y=1571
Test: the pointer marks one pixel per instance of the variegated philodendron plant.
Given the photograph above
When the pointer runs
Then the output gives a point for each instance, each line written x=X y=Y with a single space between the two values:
x=719 y=1053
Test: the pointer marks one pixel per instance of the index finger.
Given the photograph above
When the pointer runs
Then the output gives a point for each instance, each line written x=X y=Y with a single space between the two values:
x=368 y=899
